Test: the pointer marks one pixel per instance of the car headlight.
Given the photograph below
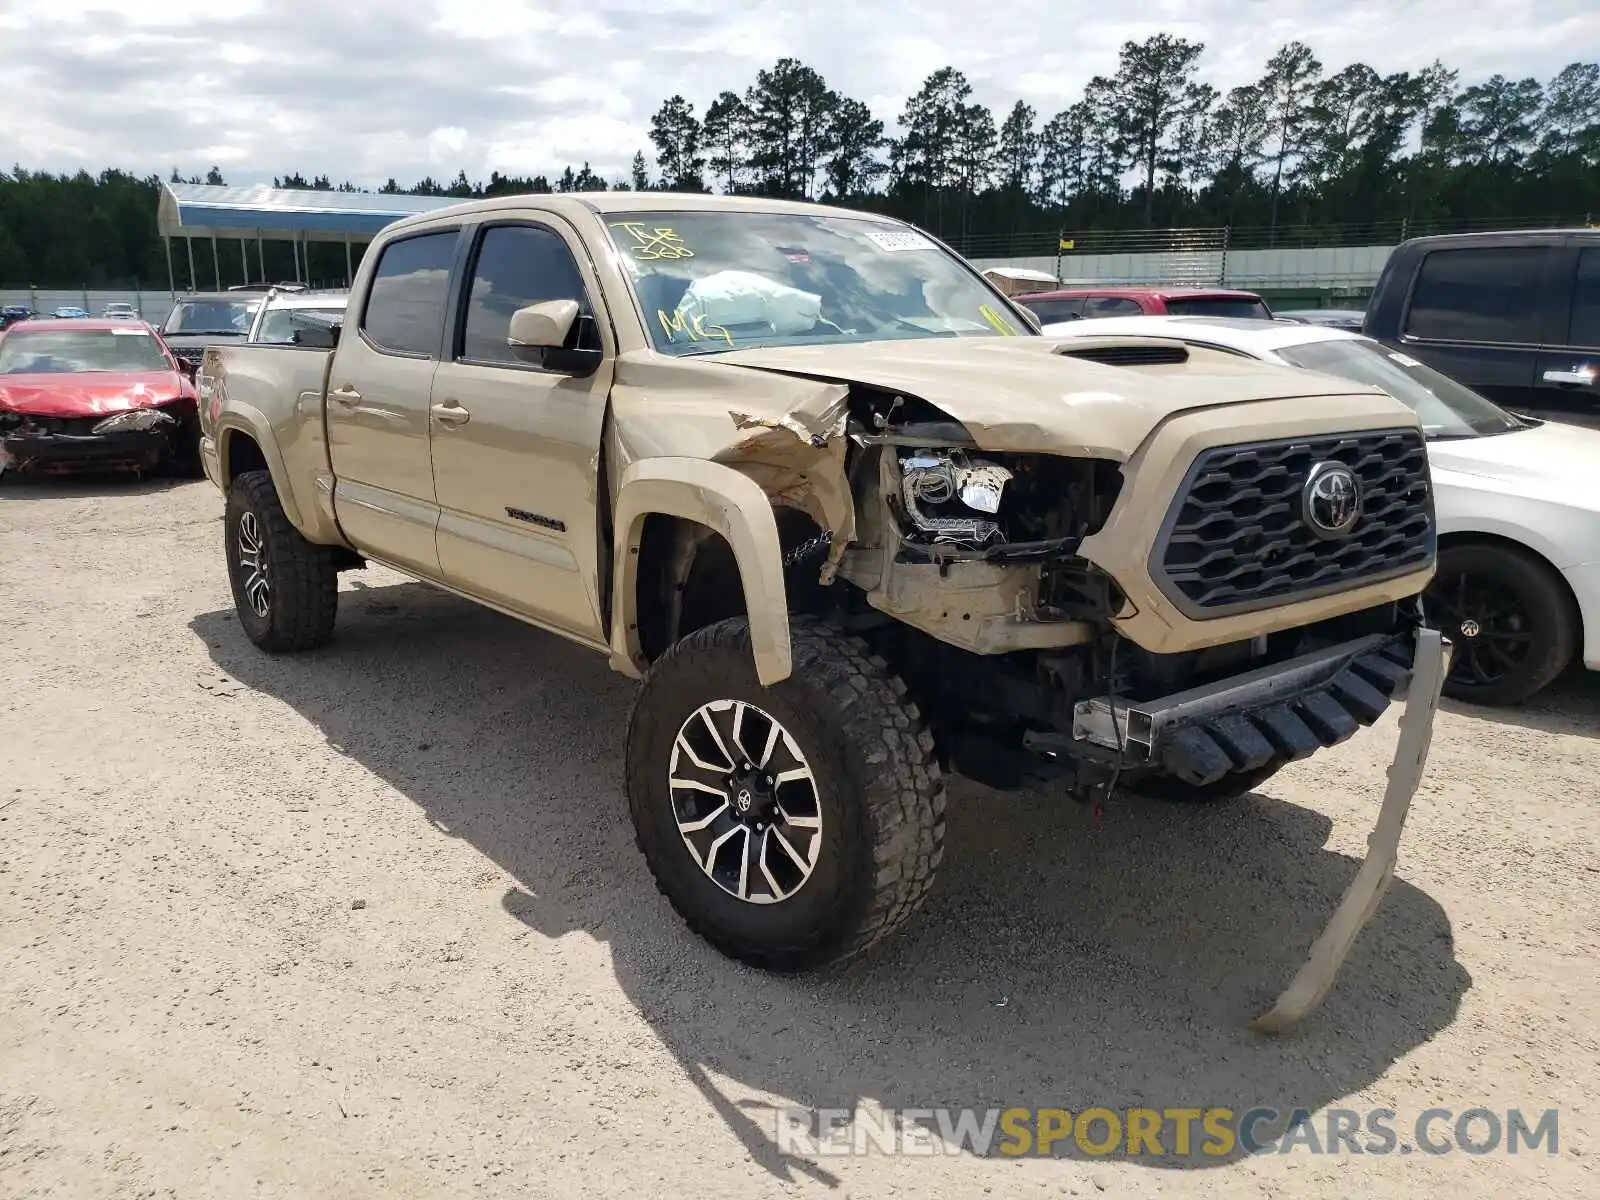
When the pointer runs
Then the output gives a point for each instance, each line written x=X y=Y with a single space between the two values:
x=943 y=490
x=135 y=421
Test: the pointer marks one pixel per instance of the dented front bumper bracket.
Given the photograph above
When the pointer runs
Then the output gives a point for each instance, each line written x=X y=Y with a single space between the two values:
x=1361 y=899
x=1289 y=709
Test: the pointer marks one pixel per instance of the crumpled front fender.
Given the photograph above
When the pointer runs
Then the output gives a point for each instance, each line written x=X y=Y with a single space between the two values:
x=733 y=505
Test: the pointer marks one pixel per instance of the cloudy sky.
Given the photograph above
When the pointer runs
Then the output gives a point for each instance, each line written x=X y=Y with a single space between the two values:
x=363 y=90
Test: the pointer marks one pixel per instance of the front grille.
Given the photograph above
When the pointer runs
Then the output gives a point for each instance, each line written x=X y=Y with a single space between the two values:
x=190 y=354
x=1236 y=538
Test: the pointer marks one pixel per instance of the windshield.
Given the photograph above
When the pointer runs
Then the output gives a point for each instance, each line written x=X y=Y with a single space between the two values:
x=211 y=316
x=1217 y=306
x=60 y=351
x=277 y=325
x=1446 y=409
x=710 y=281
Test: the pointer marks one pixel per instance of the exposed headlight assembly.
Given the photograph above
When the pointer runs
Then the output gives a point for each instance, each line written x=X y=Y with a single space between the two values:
x=135 y=421
x=936 y=479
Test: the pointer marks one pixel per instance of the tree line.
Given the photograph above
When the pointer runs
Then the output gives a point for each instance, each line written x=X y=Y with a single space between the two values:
x=1302 y=150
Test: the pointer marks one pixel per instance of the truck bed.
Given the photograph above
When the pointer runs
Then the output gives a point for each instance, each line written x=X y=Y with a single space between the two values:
x=278 y=390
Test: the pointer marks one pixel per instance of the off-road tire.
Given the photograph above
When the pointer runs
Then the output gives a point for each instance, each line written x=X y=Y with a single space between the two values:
x=1544 y=597
x=878 y=784
x=1172 y=790
x=304 y=597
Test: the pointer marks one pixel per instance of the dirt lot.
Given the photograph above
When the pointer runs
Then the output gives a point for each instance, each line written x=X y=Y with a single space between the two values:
x=370 y=922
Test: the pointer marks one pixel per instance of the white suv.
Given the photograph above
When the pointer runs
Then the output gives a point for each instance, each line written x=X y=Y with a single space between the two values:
x=274 y=323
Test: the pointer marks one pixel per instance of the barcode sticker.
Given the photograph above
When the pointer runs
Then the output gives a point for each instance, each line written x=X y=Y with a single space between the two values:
x=899 y=239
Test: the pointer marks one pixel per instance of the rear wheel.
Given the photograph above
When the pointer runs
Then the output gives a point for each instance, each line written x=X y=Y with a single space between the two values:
x=790 y=826
x=1510 y=618
x=285 y=589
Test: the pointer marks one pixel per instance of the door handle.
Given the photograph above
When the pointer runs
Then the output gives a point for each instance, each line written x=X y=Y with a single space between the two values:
x=450 y=413
x=1574 y=377
x=346 y=395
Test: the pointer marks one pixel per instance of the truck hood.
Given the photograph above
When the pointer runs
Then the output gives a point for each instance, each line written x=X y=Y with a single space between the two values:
x=1020 y=394
x=90 y=393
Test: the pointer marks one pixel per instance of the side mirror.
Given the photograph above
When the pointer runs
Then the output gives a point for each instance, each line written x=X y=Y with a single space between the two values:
x=540 y=332
x=1031 y=317
x=542 y=326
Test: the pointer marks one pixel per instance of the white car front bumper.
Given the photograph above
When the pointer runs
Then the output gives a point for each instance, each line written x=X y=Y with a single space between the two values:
x=1584 y=580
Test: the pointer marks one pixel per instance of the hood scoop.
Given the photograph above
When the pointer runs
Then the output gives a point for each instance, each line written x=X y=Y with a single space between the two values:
x=1127 y=353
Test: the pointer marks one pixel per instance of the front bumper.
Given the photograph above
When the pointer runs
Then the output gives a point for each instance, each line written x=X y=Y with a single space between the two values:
x=211 y=459
x=1584 y=580
x=64 y=451
x=1288 y=710
x=1190 y=732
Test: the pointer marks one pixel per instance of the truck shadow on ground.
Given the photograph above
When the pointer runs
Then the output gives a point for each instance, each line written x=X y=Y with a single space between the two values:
x=1061 y=962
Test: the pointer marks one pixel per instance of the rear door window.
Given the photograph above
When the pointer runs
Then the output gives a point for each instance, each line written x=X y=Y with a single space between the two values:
x=1584 y=329
x=410 y=291
x=1051 y=311
x=1111 y=306
x=1491 y=295
x=1218 y=306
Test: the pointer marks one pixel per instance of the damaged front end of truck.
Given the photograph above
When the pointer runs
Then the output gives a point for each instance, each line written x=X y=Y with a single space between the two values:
x=1110 y=590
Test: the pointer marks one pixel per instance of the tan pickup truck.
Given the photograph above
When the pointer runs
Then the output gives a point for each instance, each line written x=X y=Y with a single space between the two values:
x=852 y=521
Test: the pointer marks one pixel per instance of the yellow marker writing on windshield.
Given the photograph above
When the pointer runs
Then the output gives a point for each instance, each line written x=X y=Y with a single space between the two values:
x=1001 y=325
x=651 y=244
x=694 y=328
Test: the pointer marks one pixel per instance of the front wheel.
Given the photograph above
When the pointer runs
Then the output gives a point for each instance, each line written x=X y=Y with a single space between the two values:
x=285 y=589
x=1511 y=619
x=791 y=826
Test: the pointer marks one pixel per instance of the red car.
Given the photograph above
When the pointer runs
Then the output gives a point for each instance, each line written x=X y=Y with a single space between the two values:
x=1072 y=304
x=98 y=394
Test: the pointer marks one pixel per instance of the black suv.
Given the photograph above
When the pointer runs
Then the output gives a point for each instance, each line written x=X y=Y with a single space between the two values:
x=1515 y=316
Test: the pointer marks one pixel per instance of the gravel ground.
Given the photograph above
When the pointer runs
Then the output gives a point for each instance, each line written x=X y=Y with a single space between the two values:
x=370 y=922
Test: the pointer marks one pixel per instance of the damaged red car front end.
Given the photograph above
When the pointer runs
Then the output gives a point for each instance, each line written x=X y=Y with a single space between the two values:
x=92 y=395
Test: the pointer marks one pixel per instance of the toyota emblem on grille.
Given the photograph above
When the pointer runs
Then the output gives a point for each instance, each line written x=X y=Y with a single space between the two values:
x=1330 y=502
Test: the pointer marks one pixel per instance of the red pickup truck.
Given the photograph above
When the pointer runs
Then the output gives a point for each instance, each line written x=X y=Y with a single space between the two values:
x=1071 y=304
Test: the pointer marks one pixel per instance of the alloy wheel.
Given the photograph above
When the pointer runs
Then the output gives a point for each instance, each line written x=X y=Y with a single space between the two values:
x=745 y=801
x=253 y=565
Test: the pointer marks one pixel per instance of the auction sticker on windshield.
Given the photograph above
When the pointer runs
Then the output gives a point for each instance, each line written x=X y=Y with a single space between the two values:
x=899 y=239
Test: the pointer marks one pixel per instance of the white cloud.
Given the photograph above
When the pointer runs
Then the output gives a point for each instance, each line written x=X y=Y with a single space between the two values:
x=447 y=144
x=366 y=89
